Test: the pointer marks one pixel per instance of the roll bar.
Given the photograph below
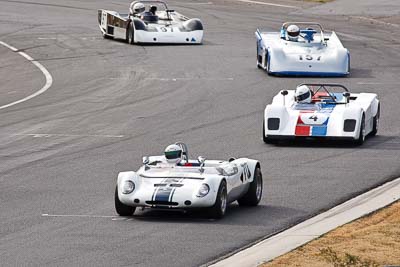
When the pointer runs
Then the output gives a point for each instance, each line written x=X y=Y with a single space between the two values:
x=286 y=24
x=151 y=2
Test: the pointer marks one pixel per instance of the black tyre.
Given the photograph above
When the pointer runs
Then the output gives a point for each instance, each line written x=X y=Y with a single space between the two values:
x=266 y=139
x=259 y=59
x=130 y=37
x=361 y=137
x=105 y=36
x=376 y=122
x=254 y=194
x=217 y=211
x=121 y=208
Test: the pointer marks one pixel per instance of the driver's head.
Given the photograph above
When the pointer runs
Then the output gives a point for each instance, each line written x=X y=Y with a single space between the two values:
x=153 y=9
x=293 y=32
x=303 y=94
x=137 y=8
x=173 y=154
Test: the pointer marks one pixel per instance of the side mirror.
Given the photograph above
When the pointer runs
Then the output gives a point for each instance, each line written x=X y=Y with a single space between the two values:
x=201 y=160
x=145 y=160
x=284 y=93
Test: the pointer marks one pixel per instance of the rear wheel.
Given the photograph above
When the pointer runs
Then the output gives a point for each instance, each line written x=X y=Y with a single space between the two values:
x=376 y=122
x=121 y=208
x=361 y=137
x=253 y=195
x=217 y=211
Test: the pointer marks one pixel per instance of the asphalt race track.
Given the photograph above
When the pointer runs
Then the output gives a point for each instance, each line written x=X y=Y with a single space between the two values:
x=112 y=103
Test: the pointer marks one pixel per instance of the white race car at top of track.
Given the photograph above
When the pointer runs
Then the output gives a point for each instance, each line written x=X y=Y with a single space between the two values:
x=314 y=53
x=157 y=25
x=334 y=113
x=209 y=184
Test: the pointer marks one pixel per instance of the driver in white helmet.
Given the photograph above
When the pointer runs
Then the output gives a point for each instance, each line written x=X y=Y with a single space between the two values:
x=293 y=33
x=136 y=9
x=303 y=95
x=173 y=154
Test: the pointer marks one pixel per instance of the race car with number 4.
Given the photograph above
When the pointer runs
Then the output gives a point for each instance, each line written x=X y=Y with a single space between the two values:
x=173 y=181
x=150 y=21
x=331 y=112
x=302 y=49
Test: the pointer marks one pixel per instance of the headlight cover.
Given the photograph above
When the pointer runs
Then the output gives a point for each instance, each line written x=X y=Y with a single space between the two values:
x=203 y=190
x=128 y=187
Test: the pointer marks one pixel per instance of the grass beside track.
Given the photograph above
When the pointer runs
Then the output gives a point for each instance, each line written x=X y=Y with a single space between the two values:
x=373 y=240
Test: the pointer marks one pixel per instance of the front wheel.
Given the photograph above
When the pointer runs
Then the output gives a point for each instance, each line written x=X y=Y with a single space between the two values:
x=266 y=139
x=121 y=208
x=130 y=37
x=217 y=211
x=361 y=136
x=376 y=122
x=253 y=195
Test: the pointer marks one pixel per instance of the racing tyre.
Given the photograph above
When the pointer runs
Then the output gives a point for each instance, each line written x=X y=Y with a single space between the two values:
x=253 y=195
x=259 y=59
x=105 y=36
x=218 y=210
x=130 y=37
x=361 y=137
x=266 y=139
x=376 y=122
x=121 y=208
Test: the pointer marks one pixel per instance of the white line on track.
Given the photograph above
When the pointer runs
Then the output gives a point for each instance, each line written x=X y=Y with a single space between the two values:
x=78 y=215
x=188 y=79
x=49 y=79
x=310 y=229
x=68 y=135
x=266 y=3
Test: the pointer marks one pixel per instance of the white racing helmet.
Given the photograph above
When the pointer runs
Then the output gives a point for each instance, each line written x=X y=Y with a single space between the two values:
x=173 y=154
x=137 y=8
x=293 y=32
x=303 y=94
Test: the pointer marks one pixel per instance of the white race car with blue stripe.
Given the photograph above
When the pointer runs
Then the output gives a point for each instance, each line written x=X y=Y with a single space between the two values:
x=201 y=183
x=315 y=53
x=334 y=113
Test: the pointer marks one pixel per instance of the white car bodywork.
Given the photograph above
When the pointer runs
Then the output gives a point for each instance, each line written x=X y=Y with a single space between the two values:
x=165 y=26
x=316 y=53
x=159 y=184
x=336 y=115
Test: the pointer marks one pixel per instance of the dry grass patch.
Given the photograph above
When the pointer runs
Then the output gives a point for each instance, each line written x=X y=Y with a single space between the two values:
x=370 y=241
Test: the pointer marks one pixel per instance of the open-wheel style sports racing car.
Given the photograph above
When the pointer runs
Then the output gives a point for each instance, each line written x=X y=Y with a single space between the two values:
x=189 y=184
x=332 y=112
x=302 y=49
x=150 y=21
